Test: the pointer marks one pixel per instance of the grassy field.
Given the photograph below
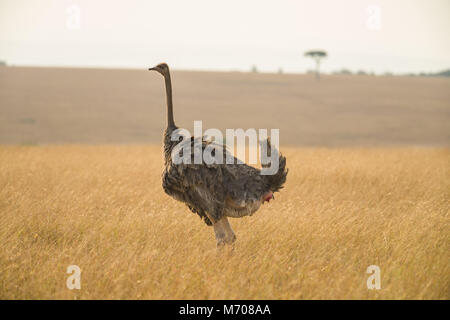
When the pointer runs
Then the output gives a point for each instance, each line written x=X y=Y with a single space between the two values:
x=102 y=208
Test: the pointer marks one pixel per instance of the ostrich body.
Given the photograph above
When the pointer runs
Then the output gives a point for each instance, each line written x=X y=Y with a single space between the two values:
x=215 y=191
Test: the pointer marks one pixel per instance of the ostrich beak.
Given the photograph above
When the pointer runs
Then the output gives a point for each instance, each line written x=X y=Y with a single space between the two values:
x=150 y=69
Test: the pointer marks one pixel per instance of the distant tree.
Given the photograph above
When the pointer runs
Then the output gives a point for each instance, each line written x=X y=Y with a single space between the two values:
x=361 y=73
x=254 y=69
x=445 y=73
x=343 y=71
x=317 y=56
x=280 y=70
x=2 y=63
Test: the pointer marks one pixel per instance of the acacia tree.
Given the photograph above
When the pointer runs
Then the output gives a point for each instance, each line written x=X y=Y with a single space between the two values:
x=316 y=55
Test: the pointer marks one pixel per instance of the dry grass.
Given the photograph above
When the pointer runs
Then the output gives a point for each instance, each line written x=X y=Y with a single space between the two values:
x=103 y=209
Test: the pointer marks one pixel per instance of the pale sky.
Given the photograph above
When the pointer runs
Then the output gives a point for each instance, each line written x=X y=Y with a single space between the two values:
x=395 y=35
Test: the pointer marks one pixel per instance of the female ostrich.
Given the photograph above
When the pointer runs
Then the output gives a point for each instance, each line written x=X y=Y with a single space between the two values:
x=215 y=191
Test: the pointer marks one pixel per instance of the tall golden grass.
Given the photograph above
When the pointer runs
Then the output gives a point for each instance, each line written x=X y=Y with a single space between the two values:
x=102 y=208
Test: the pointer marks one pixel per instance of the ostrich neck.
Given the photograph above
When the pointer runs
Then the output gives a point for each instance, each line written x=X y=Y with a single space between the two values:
x=168 y=143
x=170 y=121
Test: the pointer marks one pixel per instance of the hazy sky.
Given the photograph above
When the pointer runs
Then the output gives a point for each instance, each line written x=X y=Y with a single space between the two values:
x=395 y=35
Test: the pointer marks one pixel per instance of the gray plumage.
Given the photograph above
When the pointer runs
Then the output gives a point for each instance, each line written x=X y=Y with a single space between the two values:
x=215 y=191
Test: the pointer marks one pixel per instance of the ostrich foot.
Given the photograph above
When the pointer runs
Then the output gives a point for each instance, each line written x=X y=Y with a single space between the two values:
x=224 y=233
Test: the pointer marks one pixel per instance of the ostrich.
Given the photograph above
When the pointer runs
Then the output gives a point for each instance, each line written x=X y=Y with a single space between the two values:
x=218 y=191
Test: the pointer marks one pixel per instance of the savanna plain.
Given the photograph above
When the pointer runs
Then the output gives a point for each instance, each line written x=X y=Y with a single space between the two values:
x=80 y=184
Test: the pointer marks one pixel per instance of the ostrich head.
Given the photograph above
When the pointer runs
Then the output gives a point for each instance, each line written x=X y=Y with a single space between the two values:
x=161 y=68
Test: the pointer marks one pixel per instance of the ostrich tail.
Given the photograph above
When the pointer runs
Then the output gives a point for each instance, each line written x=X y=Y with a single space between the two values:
x=276 y=180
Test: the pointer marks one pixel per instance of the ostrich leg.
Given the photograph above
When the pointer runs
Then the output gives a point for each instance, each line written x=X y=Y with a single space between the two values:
x=230 y=236
x=224 y=233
